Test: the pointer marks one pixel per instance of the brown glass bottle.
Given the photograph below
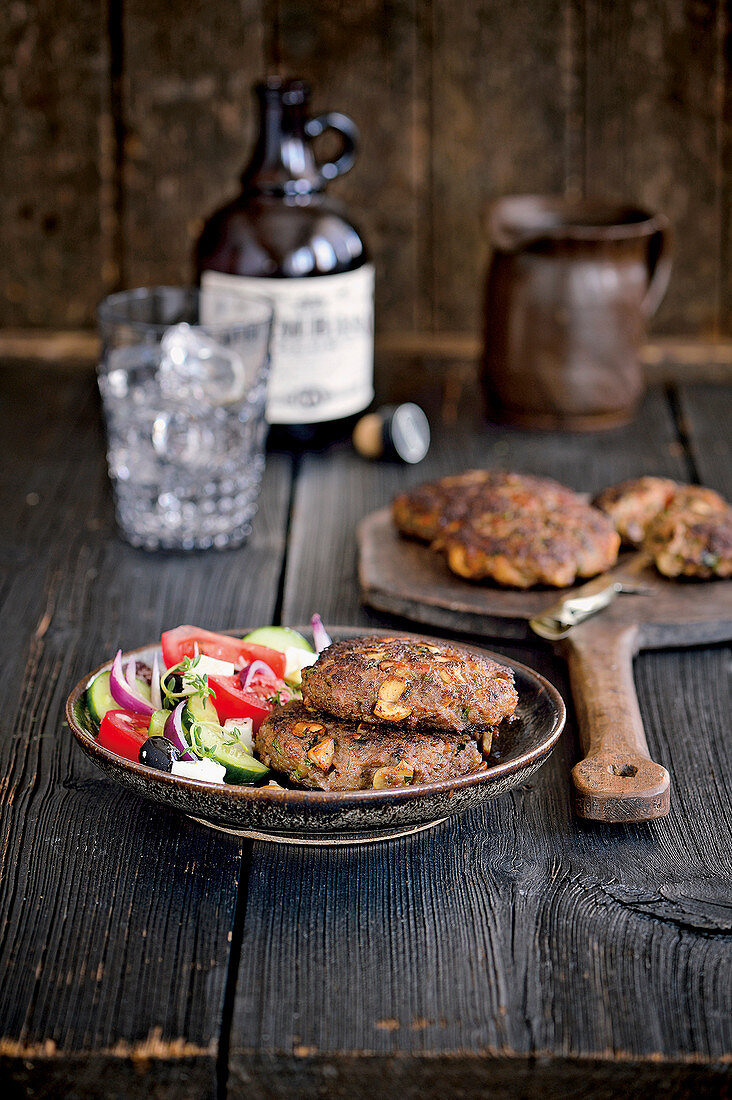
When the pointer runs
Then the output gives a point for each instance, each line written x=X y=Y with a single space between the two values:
x=284 y=238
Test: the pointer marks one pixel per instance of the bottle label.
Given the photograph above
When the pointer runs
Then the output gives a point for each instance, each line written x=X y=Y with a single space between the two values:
x=322 y=342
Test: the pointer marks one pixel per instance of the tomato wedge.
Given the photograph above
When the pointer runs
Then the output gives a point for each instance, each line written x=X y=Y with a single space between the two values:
x=231 y=701
x=182 y=642
x=124 y=733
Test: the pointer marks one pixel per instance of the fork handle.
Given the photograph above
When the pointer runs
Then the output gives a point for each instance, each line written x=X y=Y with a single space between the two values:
x=616 y=781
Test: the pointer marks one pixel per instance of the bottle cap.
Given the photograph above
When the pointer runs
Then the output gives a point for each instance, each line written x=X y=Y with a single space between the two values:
x=393 y=431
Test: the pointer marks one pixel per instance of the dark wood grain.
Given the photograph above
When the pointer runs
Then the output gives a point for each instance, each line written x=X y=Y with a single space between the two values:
x=500 y=91
x=513 y=947
x=706 y=420
x=116 y=917
x=646 y=71
x=124 y=125
x=56 y=162
x=189 y=123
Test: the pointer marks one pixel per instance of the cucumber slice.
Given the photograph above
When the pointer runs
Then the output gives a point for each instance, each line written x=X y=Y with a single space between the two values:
x=279 y=637
x=99 y=698
x=223 y=747
x=241 y=766
x=158 y=718
x=199 y=710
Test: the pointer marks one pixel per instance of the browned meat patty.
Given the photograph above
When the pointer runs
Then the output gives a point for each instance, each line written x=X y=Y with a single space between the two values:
x=522 y=549
x=632 y=504
x=514 y=529
x=423 y=512
x=692 y=537
x=430 y=509
x=322 y=753
x=415 y=683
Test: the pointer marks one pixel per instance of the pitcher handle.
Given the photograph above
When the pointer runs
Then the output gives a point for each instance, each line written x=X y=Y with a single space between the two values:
x=348 y=130
x=660 y=250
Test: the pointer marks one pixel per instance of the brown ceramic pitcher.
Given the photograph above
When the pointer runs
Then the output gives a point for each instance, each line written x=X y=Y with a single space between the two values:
x=569 y=290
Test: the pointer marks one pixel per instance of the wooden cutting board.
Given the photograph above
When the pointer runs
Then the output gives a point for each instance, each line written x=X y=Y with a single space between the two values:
x=616 y=781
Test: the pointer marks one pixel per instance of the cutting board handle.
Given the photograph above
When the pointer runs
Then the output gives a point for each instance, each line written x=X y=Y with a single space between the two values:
x=616 y=781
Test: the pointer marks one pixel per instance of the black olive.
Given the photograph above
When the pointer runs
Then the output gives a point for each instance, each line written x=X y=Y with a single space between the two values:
x=159 y=752
x=173 y=681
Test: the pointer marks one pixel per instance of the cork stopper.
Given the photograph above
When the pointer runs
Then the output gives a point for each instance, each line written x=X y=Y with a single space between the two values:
x=393 y=432
x=368 y=438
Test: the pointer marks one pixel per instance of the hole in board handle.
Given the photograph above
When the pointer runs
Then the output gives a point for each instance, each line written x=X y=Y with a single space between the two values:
x=625 y=770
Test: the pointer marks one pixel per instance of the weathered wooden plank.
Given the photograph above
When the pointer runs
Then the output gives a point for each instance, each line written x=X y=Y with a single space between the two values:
x=116 y=917
x=501 y=100
x=706 y=418
x=517 y=932
x=358 y=1077
x=53 y=66
x=723 y=93
x=189 y=120
x=457 y=103
x=368 y=60
x=652 y=74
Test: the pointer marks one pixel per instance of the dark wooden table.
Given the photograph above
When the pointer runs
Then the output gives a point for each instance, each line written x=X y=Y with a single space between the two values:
x=509 y=951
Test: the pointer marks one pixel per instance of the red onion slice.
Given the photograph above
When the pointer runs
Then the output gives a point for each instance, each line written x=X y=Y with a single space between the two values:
x=174 y=732
x=156 y=697
x=129 y=698
x=321 y=638
x=247 y=675
x=131 y=673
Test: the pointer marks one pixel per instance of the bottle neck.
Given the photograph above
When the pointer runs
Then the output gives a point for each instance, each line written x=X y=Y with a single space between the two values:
x=282 y=162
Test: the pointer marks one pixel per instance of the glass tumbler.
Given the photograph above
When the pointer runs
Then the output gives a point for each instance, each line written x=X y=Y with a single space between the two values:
x=184 y=397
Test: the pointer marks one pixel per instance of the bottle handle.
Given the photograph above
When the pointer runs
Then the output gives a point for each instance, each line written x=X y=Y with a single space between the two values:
x=660 y=249
x=348 y=130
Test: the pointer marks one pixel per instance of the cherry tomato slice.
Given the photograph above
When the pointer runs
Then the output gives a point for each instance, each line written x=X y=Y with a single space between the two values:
x=182 y=642
x=124 y=733
x=231 y=701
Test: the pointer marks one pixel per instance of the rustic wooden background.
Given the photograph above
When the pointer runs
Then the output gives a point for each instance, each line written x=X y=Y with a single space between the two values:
x=124 y=122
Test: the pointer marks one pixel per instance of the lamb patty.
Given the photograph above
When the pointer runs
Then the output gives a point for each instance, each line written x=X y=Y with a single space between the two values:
x=514 y=529
x=633 y=504
x=323 y=753
x=436 y=506
x=414 y=683
x=692 y=537
x=524 y=550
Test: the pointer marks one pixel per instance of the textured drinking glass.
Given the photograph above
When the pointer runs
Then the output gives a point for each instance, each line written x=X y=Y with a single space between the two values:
x=184 y=398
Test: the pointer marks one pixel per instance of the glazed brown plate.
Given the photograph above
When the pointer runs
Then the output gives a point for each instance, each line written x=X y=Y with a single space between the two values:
x=337 y=817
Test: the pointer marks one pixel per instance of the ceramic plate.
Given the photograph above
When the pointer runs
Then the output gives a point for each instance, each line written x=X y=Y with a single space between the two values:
x=338 y=817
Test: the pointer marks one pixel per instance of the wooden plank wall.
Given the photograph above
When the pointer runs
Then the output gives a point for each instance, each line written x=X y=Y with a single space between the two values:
x=124 y=122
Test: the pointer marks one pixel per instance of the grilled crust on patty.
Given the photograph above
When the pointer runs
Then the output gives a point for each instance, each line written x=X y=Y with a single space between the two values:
x=323 y=753
x=423 y=512
x=435 y=507
x=524 y=550
x=633 y=504
x=692 y=537
x=415 y=683
x=514 y=529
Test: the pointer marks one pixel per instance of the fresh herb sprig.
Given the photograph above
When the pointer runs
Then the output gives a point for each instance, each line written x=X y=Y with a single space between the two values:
x=192 y=682
x=199 y=747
